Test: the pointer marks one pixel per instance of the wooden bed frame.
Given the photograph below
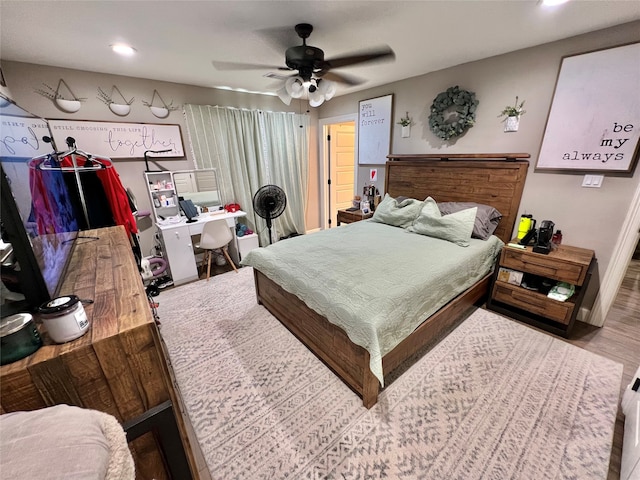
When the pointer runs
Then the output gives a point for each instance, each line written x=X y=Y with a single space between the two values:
x=491 y=179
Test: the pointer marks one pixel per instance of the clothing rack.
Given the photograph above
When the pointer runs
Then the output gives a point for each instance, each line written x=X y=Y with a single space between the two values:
x=51 y=161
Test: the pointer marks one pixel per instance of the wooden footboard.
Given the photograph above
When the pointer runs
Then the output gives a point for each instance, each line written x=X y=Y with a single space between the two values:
x=348 y=360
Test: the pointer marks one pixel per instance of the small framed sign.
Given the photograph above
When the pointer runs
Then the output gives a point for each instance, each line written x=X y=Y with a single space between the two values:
x=594 y=120
x=374 y=130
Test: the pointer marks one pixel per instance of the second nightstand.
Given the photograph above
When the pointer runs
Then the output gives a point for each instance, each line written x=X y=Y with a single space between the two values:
x=568 y=264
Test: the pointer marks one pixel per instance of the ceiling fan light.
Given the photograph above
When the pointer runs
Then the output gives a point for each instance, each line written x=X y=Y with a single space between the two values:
x=284 y=96
x=316 y=98
x=294 y=87
x=327 y=88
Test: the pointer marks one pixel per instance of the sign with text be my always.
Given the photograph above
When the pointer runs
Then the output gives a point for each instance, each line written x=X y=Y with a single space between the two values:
x=594 y=121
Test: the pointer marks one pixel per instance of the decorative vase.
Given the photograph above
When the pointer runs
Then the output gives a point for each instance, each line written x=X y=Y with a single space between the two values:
x=511 y=124
x=160 y=112
x=120 y=109
x=69 y=106
x=406 y=131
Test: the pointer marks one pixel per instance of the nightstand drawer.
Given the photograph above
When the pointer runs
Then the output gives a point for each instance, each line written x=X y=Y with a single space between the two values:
x=533 y=302
x=544 y=265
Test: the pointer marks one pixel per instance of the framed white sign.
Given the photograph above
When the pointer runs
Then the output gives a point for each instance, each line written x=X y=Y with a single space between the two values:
x=374 y=130
x=594 y=120
x=119 y=140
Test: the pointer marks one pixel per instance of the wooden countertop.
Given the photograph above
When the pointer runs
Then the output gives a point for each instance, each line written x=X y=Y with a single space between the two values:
x=101 y=269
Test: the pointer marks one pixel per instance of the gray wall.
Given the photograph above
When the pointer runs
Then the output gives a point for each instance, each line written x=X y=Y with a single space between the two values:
x=588 y=217
x=22 y=79
x=591 y=218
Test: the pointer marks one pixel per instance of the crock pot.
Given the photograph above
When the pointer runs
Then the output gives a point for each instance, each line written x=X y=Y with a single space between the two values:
x=19 y=337
x=64 y=318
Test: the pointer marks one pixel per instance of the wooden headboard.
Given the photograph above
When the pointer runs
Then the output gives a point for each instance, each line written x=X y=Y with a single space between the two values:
x=491 y=179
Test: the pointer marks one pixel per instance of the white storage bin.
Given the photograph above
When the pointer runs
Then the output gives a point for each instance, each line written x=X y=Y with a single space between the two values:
x=246 y=244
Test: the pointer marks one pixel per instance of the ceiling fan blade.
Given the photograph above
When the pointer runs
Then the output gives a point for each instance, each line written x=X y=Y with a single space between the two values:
x=278 y=76
x=380 y=54
x=244 y=66
x=341 y=78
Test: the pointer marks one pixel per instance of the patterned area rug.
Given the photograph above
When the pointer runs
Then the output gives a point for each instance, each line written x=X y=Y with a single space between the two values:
x=493 y=400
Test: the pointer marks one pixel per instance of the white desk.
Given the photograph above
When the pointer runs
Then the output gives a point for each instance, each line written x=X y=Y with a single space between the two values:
x=177 y=243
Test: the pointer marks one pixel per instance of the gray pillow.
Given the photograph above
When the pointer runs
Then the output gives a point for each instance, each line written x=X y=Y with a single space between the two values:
x=455 y=227
x=398 y=214
x=487 y=218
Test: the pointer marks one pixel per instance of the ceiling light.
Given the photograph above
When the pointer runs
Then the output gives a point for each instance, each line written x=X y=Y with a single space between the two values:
x=553 y=3
x=125 y=50
x=294 y=87
x=318 y=91
x=284 y=96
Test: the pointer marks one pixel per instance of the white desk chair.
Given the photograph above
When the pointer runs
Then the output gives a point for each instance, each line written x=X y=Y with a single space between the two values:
x=216 y=235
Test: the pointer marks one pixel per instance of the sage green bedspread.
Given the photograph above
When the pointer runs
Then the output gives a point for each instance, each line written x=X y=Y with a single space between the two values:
x=377 y=282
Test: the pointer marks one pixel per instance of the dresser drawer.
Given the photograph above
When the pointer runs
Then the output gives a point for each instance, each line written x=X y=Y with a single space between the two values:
x=533 y=302
x=544 y=265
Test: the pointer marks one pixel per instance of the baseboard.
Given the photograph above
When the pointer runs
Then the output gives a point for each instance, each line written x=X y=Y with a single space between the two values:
x=583 y=314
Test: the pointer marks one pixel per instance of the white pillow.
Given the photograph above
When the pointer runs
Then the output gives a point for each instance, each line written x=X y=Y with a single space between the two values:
x=399 y=214
x=455 y=227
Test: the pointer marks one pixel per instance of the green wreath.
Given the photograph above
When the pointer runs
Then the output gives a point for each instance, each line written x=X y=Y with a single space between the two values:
x=464 y=105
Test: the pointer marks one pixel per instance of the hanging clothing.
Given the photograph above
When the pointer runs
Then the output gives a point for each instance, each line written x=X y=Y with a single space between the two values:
x=118 y=198
x=95 y=200
x=113 y=188
x=105 y=198
x=51 y=207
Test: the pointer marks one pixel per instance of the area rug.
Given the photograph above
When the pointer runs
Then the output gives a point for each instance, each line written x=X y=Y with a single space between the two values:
x=494 y=399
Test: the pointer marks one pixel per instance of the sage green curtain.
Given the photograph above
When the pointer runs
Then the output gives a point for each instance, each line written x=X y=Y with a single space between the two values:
x=252 y=148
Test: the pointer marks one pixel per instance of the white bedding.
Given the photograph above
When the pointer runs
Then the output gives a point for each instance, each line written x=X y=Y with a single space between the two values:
x=377 y=282
x=64 y=443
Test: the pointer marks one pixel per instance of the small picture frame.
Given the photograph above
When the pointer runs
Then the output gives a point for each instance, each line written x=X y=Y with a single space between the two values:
x=365 y=208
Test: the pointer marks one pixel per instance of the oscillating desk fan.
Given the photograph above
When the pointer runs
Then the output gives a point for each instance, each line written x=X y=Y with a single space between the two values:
x=269 y=202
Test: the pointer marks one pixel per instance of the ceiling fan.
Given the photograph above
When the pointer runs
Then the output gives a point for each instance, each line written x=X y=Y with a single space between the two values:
x=312 y=69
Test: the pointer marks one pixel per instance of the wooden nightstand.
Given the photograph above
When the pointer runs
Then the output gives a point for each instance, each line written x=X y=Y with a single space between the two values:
x=345 y=216
x=568 y=264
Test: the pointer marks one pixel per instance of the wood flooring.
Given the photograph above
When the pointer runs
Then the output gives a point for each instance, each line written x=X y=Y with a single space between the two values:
x=619 y=340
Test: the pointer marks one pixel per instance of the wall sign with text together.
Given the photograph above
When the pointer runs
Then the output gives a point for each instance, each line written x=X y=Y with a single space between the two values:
x=119 y=140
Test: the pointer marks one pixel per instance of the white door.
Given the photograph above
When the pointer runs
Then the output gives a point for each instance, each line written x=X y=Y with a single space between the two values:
x=342 y=167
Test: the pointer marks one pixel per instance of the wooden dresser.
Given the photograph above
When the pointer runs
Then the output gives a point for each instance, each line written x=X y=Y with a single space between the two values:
x=118 y=366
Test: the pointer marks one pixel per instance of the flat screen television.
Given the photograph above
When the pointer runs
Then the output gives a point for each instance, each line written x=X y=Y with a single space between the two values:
x=35 y=254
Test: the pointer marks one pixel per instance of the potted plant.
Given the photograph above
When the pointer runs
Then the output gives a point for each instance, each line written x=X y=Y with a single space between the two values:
x=406 y=125
x=64 y=104
x=511 y=114
x=120 y=109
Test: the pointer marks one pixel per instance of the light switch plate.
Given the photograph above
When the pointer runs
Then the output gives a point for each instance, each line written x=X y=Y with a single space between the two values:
x=592 y=181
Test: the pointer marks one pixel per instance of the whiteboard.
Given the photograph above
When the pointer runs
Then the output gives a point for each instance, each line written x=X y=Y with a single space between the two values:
x=119 y=140
x=374 y=130
x=594 y=120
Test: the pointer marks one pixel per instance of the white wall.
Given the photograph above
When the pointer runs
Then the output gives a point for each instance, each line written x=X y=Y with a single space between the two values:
x=588 y=217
